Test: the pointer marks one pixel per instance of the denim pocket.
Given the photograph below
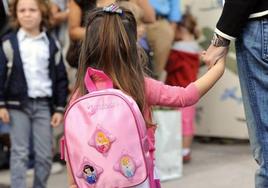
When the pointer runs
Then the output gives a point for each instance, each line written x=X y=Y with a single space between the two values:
x=265 y=39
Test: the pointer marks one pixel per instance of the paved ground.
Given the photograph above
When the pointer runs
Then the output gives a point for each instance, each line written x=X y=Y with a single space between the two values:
x=214 y=165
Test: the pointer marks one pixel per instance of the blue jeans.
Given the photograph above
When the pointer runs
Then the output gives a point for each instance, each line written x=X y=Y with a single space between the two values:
x=33 y=118
x=252 y=61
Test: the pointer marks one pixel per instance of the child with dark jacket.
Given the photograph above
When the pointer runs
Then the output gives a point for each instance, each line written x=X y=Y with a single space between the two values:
x=33 y=86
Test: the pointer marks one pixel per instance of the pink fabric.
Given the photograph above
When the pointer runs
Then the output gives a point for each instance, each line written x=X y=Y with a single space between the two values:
x=188 y=117
x=107 y=150
x=157 y=93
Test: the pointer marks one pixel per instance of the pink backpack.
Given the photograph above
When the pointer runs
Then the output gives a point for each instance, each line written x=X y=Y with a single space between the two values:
x=105 y=138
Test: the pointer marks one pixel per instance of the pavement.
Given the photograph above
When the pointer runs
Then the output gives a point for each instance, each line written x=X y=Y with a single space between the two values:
x=213 y=165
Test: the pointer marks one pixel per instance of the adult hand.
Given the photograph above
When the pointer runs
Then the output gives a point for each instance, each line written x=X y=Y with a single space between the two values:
x=4 y=115
x=213 y=54
x=56 y=119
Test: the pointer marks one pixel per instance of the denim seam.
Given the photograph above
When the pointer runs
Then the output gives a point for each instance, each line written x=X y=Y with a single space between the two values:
x=264 y=25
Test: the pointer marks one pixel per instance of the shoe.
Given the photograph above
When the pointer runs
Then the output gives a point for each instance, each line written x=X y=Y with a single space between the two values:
x=56 y=168
x=186 y=158
x=30 y=172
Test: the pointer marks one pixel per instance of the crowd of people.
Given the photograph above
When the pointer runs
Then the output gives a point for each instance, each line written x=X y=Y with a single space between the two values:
x=43 y=41
x=62 y=23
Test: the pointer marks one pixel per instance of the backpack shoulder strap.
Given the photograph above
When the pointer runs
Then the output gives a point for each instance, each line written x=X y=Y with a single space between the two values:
x=9 y=53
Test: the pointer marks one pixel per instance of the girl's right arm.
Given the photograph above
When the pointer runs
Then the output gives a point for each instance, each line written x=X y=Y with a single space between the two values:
x=158 y=93
x=76 y=32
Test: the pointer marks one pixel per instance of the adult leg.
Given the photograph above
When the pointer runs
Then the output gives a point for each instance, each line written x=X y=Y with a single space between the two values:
x=42 y=140
x=160 y=36
x=252 y=59
x=19 y=134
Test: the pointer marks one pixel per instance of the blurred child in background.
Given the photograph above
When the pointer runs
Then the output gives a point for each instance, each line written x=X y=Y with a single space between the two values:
x=182 y=69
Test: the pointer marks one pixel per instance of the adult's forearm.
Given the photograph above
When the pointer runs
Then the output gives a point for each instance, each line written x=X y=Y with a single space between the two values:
x=77 y=33
x=234 y=16
x=149 y=13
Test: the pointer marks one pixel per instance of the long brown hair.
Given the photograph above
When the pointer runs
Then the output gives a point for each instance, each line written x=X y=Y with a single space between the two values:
x=110 y=45
x=43 y=5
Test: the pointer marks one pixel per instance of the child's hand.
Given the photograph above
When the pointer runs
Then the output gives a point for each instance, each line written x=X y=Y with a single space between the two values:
x=206 y=82
x=4 y=115
x=56 y=119
x=213 y=54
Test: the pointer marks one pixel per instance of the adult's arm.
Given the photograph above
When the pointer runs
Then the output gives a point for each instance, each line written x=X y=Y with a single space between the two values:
x=234 y=17
x=76 y=31
x=175 y=13
x=149 y=13
x=58 y=16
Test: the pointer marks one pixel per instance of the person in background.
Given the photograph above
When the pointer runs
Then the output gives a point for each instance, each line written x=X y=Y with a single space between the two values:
x=148 y=15
x=182 y=69
x=4 y=18
x=78 y=10
x=247 y=22
x=160 y=34
x=33 y=91
x=142 y=22
x=60 y=11
x=77 y=15
x=4 y=130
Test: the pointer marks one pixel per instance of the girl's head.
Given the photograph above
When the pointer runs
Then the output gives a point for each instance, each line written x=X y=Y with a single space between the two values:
x=31 y=15
x=110 y=45
x=188 y=24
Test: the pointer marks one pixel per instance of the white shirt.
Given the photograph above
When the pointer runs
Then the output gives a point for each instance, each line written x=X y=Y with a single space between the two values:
x=34 y=52
x=187 y=46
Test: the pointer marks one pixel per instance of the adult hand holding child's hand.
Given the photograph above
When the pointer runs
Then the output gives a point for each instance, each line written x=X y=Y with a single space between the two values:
x=213 y=54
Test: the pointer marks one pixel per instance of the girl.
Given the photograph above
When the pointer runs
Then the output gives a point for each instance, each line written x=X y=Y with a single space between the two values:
x=110 y=45
x=182 y=69
x=30 y=90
